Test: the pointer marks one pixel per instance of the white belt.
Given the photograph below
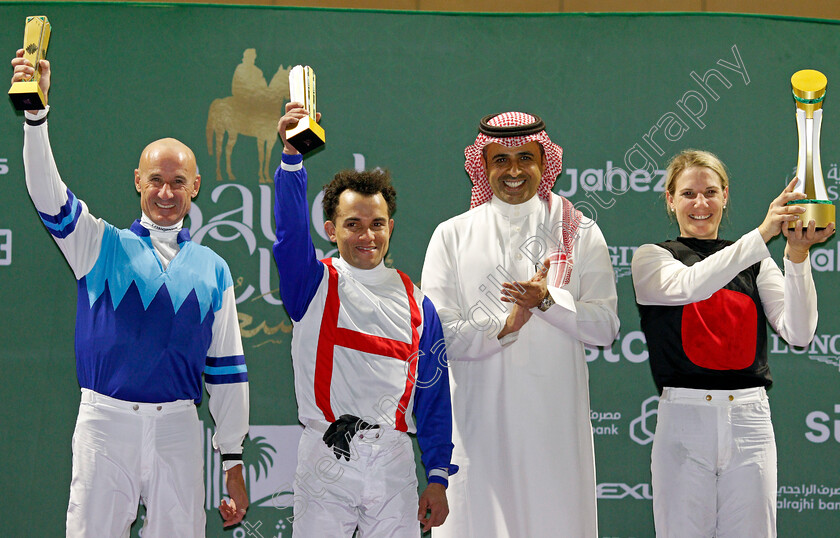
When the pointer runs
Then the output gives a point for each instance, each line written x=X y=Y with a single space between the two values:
x=714 y=397
x=320 y=427
x=136 y=408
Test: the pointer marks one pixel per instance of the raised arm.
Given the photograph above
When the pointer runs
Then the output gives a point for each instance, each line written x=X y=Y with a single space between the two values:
x=77 y=233
x=790 y=301
x=299 y=269
x=659 y=279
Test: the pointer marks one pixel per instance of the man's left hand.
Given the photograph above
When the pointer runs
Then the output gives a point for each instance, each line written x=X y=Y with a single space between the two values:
x=234 y=511
x=433 y=501
x=530 y=293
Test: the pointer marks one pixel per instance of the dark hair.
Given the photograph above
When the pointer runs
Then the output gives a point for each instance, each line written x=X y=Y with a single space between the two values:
x=368 y=183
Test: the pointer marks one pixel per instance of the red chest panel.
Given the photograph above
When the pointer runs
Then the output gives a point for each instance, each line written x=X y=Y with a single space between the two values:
x=720 y=333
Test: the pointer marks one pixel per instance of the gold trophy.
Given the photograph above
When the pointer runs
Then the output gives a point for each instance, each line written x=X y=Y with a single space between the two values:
x=307 y=134
x=26 y=94
x=809 y=92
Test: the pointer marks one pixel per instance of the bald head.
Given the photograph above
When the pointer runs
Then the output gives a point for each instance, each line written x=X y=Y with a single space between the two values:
x=167 y=147
x=167 y=181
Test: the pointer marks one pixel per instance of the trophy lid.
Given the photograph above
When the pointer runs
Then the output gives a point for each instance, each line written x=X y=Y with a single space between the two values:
x=808 y=88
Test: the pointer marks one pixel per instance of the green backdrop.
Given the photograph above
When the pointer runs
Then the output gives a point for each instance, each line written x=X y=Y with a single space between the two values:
x=405 y=91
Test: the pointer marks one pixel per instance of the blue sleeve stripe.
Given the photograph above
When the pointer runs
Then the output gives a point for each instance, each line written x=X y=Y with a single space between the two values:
x=226 y=379
x=64 y=223
x=63 y=212
x=225 y=361
x=225 y=370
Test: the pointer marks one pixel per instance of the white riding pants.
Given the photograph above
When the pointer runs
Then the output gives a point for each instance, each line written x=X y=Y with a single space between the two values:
x=124 y=451
x=376 y=490
x=713 y=465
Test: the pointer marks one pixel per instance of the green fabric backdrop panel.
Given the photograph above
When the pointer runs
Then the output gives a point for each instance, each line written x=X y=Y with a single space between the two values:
x=405 y=91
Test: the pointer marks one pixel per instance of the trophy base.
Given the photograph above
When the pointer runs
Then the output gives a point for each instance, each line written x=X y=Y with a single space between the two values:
x=27 y=96
x=306 y=135
x=820 y=211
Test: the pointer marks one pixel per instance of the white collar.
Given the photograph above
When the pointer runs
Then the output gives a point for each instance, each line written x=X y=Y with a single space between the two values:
x=147 y=223
x=365 y=276
x=516 y=210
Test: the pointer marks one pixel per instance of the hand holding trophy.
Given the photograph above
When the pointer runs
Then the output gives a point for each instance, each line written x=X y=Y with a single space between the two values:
x=306 y=135
x=809 y=93
x=27 y=94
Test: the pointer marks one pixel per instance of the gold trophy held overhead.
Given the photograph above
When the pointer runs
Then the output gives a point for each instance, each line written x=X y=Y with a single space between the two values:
x=26 y=94
x=307 y=134
x=809 y=93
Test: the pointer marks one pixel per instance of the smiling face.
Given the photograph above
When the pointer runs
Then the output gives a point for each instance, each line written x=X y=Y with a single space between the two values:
x=697 y=201
x=514 y=173
x=361 y=228
x=167 y=181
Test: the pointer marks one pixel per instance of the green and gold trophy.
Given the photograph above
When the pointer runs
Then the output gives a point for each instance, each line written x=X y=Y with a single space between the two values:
x=809 y=92
x=307 y=134
x=26 y=94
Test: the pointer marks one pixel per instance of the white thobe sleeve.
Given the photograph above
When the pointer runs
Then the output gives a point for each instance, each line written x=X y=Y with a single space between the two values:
x=592 y=316
x=470 y=333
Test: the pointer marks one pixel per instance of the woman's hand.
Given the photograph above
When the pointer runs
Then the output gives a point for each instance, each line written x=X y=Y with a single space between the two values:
x=779 y=214
x=800 y=239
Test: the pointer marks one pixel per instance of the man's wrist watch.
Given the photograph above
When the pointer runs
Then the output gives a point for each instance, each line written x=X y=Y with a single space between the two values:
x=546 y=303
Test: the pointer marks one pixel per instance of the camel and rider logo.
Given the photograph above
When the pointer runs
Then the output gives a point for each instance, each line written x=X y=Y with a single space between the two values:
x=252 y=109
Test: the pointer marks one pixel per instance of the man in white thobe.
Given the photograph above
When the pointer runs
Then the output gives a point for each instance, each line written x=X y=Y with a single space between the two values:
x=515 y=334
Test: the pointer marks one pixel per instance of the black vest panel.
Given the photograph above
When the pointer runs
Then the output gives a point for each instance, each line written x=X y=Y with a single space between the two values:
x=716 y=344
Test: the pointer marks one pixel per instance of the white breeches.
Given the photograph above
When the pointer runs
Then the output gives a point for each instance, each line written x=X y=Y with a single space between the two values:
x=376 y=490
x=125 y=451
x=713 y=464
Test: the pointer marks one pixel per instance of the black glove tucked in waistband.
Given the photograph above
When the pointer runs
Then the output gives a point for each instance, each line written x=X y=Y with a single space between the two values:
x=342 y=431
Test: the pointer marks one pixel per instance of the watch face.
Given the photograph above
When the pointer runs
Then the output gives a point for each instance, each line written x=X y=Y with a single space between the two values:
x=546 y=303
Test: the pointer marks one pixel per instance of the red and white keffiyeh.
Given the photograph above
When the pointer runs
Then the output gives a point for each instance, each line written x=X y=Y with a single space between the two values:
x=475 y=165
x=561 y=261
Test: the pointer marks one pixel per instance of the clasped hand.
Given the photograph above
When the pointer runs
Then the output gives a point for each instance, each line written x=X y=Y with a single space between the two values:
x=803 y=236
x=524 y=295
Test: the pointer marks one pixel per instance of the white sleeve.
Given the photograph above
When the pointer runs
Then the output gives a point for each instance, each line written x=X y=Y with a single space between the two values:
x=660 y=279
x=789 y=301
x=470 y=334
x=592 y=317
x=77 y=233
x=226 y=379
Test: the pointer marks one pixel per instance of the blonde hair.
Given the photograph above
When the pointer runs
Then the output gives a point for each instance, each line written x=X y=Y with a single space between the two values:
x=687 y=158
